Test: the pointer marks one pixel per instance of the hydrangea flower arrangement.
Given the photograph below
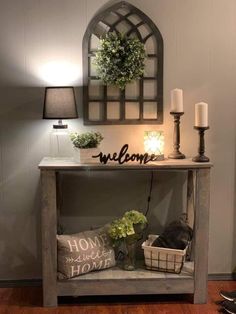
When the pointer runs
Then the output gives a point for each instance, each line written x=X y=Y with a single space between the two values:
x=130 y=225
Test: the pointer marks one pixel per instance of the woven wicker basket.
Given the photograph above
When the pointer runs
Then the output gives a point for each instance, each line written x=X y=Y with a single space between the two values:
x=163 y=259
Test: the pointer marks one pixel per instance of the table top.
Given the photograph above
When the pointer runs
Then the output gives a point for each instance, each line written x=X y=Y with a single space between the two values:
x=61 y=163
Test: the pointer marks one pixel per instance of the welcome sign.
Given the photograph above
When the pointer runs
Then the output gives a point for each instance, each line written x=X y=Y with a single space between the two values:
x=123 y=157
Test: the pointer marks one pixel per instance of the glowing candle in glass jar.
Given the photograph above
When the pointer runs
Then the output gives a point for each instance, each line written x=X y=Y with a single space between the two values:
x=154 y=142
x=201 y=114
x=177 y=100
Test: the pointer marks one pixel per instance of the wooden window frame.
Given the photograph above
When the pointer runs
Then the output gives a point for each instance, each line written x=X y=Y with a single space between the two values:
x=95 y=29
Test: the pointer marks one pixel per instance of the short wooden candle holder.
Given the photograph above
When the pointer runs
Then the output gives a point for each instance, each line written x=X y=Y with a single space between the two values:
x=176 y=154
x=201 y=149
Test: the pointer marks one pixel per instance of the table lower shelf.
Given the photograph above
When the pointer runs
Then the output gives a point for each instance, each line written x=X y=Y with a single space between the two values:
x=115 y=281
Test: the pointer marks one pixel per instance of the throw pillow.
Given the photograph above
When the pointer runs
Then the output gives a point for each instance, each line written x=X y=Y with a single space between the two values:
x=83 y=252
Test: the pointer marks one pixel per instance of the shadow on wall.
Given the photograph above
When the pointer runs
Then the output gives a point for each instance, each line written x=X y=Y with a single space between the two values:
x=23 y=142
x=26 y=103
x=20 y=239
x=92 y=199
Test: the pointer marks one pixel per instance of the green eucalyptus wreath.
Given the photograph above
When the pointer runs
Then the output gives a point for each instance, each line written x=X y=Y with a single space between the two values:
x=119 y=59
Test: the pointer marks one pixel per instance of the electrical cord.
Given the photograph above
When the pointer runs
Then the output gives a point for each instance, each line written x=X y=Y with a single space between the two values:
x=120 y=253
x=149 y=195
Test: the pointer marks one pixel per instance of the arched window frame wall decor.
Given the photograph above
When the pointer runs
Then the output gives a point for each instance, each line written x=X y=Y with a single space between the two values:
x=123 y=17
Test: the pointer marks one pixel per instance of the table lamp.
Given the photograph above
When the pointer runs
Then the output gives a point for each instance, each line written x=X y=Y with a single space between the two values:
x=59 y=103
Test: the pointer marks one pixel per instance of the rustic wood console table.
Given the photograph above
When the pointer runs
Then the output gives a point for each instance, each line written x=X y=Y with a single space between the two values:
x=115 y=281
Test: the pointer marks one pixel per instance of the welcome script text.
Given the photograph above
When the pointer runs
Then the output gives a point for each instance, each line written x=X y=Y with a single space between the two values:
x=123 y=157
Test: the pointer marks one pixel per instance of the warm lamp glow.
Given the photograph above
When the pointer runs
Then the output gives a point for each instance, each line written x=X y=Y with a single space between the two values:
x=59 y=73
x=154 y=142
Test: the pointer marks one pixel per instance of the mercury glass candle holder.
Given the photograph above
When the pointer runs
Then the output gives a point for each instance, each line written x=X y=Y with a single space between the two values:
x=154 y=143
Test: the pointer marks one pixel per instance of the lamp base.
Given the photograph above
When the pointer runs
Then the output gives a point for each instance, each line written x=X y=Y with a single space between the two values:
x=176 y=155
x=60 y=125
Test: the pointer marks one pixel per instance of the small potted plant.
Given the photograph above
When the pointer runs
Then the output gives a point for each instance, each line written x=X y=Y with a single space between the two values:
x=86 y=146
x=127 y=231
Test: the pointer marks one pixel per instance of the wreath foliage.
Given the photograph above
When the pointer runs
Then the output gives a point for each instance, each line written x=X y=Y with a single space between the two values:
x=120 y=59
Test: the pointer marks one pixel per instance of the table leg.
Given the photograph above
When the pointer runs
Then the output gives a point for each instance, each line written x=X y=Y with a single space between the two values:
x=49 y=242
x=201 y=236
x=190 y=210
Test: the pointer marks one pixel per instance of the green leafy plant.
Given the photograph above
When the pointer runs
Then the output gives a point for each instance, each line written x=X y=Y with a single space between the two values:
x=86 y=140
x=120 y=59
x=131 y=226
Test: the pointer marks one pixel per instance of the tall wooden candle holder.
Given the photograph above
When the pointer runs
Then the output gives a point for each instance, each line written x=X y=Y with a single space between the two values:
x=201 y=149
x=176 y=154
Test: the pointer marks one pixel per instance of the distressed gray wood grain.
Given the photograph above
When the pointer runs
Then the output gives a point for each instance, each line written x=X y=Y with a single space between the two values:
x=116 y=281
x=126 y=286
x=190 y=209
x=70 y=164
x=49 y=243
x=117 y=273
x=201 y=226
x=190 y=198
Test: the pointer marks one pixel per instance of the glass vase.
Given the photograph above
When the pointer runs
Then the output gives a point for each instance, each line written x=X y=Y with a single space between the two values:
x=130 y=255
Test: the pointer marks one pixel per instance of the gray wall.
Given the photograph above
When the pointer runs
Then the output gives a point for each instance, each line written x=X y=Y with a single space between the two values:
x=200 y=49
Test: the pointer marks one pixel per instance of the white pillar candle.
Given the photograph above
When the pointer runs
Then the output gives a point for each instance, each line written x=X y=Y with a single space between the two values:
x=201 y=114
x=177 y=100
